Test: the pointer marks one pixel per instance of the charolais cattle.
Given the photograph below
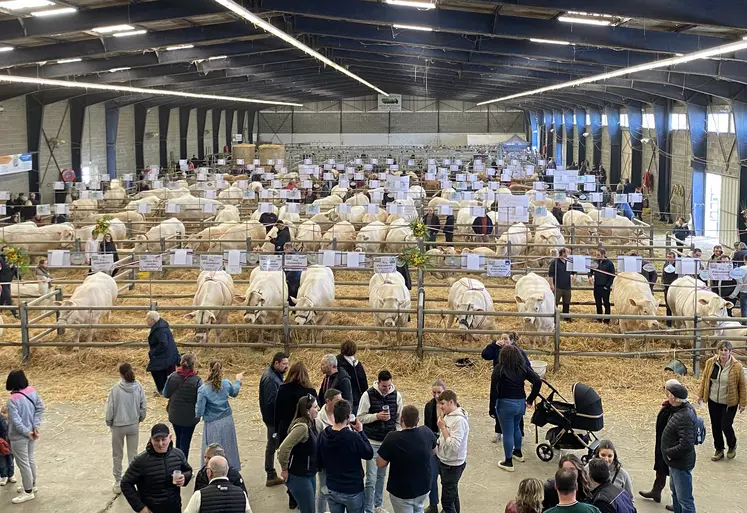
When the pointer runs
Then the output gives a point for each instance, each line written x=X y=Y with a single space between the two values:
x=214 y=288
x=534 y=296
x=632 y=295
x=472 y=298
x=97 y=290
x=317 y=290
x=389 y=292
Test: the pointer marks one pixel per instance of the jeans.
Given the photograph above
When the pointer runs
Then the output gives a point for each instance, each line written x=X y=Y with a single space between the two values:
x=270 y=448
x=743 y=304
x=184 y=438
x=722 y=424
x=408 y=505
x=375 y=481
x=450 y=477
x=120 y=434
x=303 y=489
x=433 y=496
x=23 y=451
x=7 y=468
x=510 y=412
x=681 y=483
x=602 y=299
x=321 y=492
x=430 y=236
x=669 y=310
x=565 y=296
x=342 y=502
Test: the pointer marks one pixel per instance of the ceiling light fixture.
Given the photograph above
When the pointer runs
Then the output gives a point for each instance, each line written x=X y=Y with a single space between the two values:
x=412 y=3
x=114 y=70
x=412 y=27
x=218 y=58
x=112 y=28
x=179 y=47
x=663 y=63
x=264 y=25
x=585 y=21
x=68 y=61
x=12 y=79
x=549 y=41
x=6 y=48
x=130 y=33
x=54 y=12
x=15 y=5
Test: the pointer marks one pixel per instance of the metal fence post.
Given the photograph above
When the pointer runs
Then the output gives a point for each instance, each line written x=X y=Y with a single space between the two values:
x=556 y=348
x=651 y=241
x=668 y=242
x=25 y=346
x=286 y=327
x=334 y=243
x=421 y=306
x=696 y=346
x=58 y=297
x=77 y=245
x=133 y=273
x=163 y=244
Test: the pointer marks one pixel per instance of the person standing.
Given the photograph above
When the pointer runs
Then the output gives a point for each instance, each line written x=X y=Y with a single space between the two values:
x=408 y=452
x=125 y=410
x=492 y=352
x=220 y=496
x=181 y=390
x=449 y=229
x=341 y=448
x=557 y=212
x=508 y=381
x=92 y=248
x=660 y=466
x=7 y=273
x=725 y=288
x=7 y=467
x=572 y=463
x=163 y=356
x=606 y=495
x=379 y=412
x=566 y=486
x=297 y=454
x=108 y=247
x=430 y=419
x=25 y=411
x=433 y=226
x=678 y=448
x=451 y=448
x=269 y=384
x=42 y=270
x=335 y=377
x=212 y=406
x=154 y=479
x=723 y=386
x=358 y=380
x=292 y=276
x=202 y=479
x=668 y=275
x=282 y=237
x=602 y=278
x=325 y=419
x=681 y=232
x=560 y=281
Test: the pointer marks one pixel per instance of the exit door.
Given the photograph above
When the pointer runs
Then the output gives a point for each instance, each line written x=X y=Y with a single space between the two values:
x=712 y=205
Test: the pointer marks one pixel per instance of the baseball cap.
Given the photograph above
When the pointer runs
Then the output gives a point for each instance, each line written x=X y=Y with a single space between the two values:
x=159 y=430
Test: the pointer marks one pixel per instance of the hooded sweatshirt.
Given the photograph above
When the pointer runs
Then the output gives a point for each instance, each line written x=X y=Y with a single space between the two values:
x=25 y=411
x=452 y=450
x=126 y=404
x=340 y=454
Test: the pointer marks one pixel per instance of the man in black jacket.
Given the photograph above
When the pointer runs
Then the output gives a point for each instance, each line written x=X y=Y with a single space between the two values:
x=606 y=496
x=335 y=377
x=560 y=280
x=358 y=380
x=203 y=477
x=7 y=273
x=678 y=447
x=282 y=238
x=430 y=419
x=220 y=496
x=602 y=278
x=269 y=383
x=153 y=481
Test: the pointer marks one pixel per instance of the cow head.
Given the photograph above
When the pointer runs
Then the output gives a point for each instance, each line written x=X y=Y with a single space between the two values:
x=142 y=245
x=202 y=318
x=645 y=307
x=713 y=306
x=469 y=319
x=306 y=317
x=254 y=316
x=360 y=242
x=391 y=319
x=528 y=306
x=66 y=316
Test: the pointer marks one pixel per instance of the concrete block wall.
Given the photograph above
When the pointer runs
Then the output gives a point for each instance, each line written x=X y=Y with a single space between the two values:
x=150 y=144
x=209 y=132
x=606 y=150
x=192 y=134
x=681 y=171
x=56 y=118
x=93 y=142
x=13 y=141
x=722 y=154
x=576 y=135
x=126 y=141
x=172 y=140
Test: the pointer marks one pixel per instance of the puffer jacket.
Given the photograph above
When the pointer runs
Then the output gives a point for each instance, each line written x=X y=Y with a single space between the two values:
x=234 y=477
x=678 y=438
x=163 y=353
x=736 y=393
x=151 y=473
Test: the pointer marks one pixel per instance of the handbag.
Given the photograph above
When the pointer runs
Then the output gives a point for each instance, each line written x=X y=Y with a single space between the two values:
x=4 y=447
x=172 y=393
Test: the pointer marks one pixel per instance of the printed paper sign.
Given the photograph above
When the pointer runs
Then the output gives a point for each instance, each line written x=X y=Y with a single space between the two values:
x=103 y=263
x=173 y=208
x=43 y=210
x=151 y=263
x=210 y=208
x=372 y=208
x=609 y=213
x=329 y=258
x=210 y=193
x=313 y=209
x=718 y=271
x=61 y=209
x=271 y=262
x=59 y=186
x=499 y=267
x=477 y=211
x=181 y=257
x=354 y=259
x=596 y=197
x=386 y=264
x=621 y=198
x=540 y=211
x=540 y=196
x=577 y=263
x=58 y=258
x=211 y=263
x=686 y=266
x=629 y=264
x=296 y=261
x=636 y=197
x=444 y=210
x=265 y=208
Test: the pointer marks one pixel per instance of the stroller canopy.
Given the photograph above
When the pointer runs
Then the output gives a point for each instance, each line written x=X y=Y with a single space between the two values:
x=588 y=407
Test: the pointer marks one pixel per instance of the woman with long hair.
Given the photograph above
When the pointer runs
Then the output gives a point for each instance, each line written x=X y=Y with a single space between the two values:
x=297 y=454
x=212 y=405
x=618 y=475
x=181 y=390
x=125 y=410
x=583 y=489
x=528 y=498
x=109 y=247
x=508 y=382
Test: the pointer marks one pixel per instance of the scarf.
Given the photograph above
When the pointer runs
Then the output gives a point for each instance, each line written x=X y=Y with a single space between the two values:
x=185 y=373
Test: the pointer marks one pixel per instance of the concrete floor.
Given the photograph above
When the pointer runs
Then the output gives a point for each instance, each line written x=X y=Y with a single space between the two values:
x=75 y=466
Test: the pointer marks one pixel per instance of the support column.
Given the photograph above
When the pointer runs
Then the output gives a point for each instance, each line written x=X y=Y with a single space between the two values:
x=34 y=119
x=662 y=116
x=595 y=120
x=141 y=113
x=635 y=123
x=201 y=121
x=580 y=129
x=250 y=126
x=216 y=129
x=163 y=132
x=183 y=129
x=240 y=123
x=557 y=124
x=77 y=117
x=697 y=116
x=568 y=123
x=112 y=128
x=739 y=110
x=533 y=130
x=229 y=128
x=548 y=141
x=613 y=126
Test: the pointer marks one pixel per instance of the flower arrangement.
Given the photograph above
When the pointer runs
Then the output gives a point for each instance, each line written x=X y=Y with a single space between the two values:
x=416 y=259
x=418 y=228
x=102 y=226
x=18 y=258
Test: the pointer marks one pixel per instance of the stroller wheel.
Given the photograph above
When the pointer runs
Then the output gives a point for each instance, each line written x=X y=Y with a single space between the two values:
x=545 y=452
x=585 y=459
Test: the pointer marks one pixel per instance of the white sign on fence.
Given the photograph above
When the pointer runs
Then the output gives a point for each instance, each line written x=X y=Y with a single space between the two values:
x=354 y=259
x=386 y=264
x=313 y=209
x=578 y=263
x=103 y=262
x=61 y=209
x=181 y=257
x=271 y=262
x=499 y=267
x=151 y=263
x=609 y=213
x=718 y=271
x=629 y=264
x=58 y=257
x=296 y=261
x=211 y=263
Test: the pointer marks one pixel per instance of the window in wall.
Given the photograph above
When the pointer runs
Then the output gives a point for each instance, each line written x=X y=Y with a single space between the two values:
x=624 y=121
x=85 y=174
x=574 y=118
x=721 y=122
x=604 y=119
x=588 y=120
x=648 y=120
x=678 y=122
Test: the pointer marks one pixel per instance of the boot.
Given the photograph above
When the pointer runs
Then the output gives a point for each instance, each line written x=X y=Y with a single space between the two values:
x=431 y=509
x=655 y=492
x=669 y=508
x=273 y=479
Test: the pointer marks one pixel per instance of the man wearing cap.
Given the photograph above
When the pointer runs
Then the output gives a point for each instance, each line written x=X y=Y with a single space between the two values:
x=153 y=482
x=220 y=496
x=678 y=447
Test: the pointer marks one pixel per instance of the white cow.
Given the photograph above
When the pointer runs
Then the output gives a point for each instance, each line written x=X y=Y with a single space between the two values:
x=32 y=289
x=229 y=214
x=389 y=292
x=317 y=290
x=583 y=226
x=534 y=296
x=689 y=297
x=400 y=231
x=338 y=191
x=240 y=232
x=328 y=202
x=117 y=229
x=192 y=207
x=517 y=234
x=344 y=233
x=97 y=290
x=359 y=199
x=417 y=194
x=151 y=241
x=308 y=235
x=82 y=208
x=126 y=216
x=153 y=201
x=471 y=297
x=163 y=193
x=632 y=295
x=618 y=228
x=370 y=217
x=213 y=289
x=548 y=240
x=34 y=239
x=257 y=214
x=464 y=222
x=201 y=240
x=371 y=238
x=284 y=215
x=437 y=259
x=232 y=194
x=115 y=197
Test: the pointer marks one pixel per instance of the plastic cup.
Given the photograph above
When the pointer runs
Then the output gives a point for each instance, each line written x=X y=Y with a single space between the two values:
x=175 y=476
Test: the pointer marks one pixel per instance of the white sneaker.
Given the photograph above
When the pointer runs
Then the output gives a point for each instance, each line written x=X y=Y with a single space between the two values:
x=380 y=509
x=12 y=479
x=3 y=481
x=20 y=490
x=24 y=497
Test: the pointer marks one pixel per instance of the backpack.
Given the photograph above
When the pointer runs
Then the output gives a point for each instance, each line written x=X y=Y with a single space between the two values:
x=700 y=429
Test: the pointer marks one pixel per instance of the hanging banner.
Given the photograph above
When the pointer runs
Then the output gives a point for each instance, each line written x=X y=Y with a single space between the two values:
x=391 y=103
x=16 y=163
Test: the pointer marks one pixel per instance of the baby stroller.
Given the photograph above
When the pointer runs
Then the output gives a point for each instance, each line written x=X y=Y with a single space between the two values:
x=575 y=422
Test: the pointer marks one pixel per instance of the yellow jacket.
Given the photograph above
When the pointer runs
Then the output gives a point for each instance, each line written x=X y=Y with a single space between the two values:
x=737 y=388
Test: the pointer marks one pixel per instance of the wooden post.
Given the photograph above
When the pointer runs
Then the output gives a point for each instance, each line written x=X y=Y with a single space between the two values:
x=556 y=348
x=25 y=345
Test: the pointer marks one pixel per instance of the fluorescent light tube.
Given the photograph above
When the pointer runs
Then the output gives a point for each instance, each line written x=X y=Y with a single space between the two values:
x=264 y=25
x=114 y=70
x=218 y=58
x=585 y=21
x=549 y=41
x=179 y=47
x=412 y=3
x=55 y=12
x=68 y=61
x=14 y=5
x=6 y=48
x=130 y=33
x=11 y=79
x=663 y=63
x=112 y=28
x=413 y=27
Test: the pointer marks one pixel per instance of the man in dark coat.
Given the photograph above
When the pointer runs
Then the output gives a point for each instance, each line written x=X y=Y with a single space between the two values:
x=7 y=273
x=430 y=420
x=606 y=496
x=660 y=466
x=234 y=476
x=678 y=447
x=163 y=355
x=358 y=380
x=282 y=238
x=449 y=228
x=292 y=276
x=602 y=279
x=268 y=220
x=269 y=384
x=557 y=212
x=336 y=378
x=431 y=221
x=150 y=481
x=483 y=226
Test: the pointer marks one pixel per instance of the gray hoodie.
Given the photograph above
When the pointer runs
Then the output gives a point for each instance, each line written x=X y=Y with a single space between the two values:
x=126 y=404
x=452 y=451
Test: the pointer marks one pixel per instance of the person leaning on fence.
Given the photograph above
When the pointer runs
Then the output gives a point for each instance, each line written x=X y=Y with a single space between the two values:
x=181 y=390
x=449 y=229
x=560 y=280
x=668 y=275
x=681 y=232
x=723 y=386
x=433 y=225
x=163 y=355
x=109 y=247
x=602 y=279
x=725 y=288
x=282 y=237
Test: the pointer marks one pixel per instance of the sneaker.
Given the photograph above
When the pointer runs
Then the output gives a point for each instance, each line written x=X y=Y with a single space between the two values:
x=24 y=497
x=380 y=509
x=731 y=453
x=517 y=455
x=274 y=481
x=3 y=481
x=20 y=490
x=507 y=465
x=718 y=456
x=12 y=479
x=117 y=489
